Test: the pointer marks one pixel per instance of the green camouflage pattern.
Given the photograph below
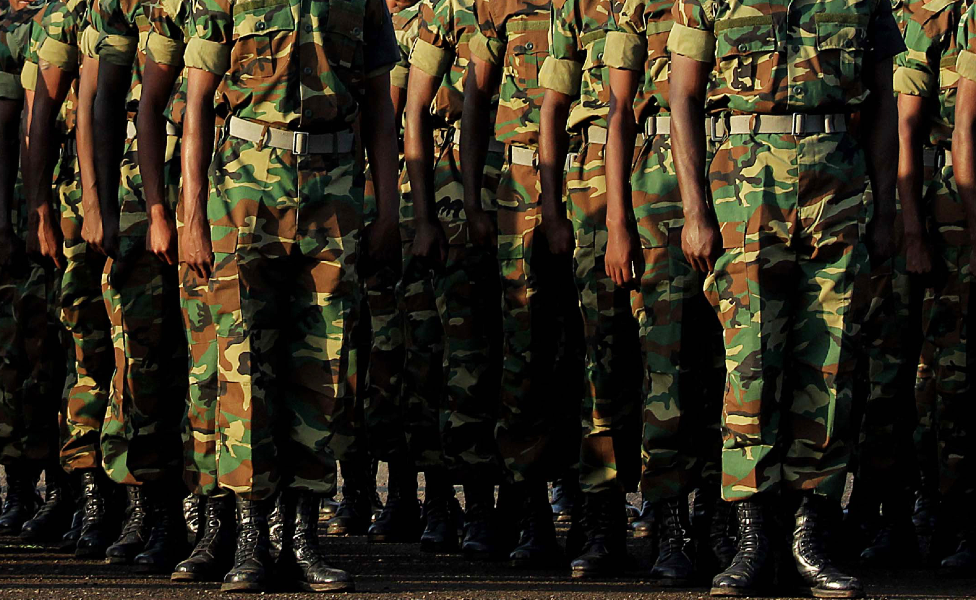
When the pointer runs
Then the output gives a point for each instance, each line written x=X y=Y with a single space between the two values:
x=515 y=33
x=766 y=63
x=445 y=32
x=170 y=27
x=17 y=30
x=64 y=23
x=637 y=40
x=406 y=22
x=141 y=434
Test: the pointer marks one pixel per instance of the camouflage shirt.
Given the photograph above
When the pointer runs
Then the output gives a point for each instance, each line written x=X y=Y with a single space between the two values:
x=66 y=38
x=169 y=23
x=783 y=56
x=575 y=65
x=19 y=36
x=443 y=50
x=514 y=35
x=928 y=68
x=406 y=23
x=298 y=64
x=638 y=41
x=966 y=62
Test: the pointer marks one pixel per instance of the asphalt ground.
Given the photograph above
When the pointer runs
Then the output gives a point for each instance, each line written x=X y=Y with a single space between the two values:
x=388 y=571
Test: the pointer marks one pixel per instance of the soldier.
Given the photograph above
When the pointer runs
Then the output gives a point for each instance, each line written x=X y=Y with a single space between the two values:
x=935 y=79
x=576 y=100
x=280 y=236
x=66 y=53
x=679 y=335
x=31 y=373
x=540 y=318
x=780 y=226
x=465 y=278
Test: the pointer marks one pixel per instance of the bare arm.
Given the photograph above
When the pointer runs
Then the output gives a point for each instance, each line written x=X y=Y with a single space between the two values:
x=624 y=259
x=157 y=86
x=553 y=148
x=384 y=236
x=700 y=237
x=911 y=136
x=109 y=138
x=91 y=228
x=418 y=151
x=196 y=249
x=964 y=151
x=482 y=82
x=10 y=114
x=880 y=117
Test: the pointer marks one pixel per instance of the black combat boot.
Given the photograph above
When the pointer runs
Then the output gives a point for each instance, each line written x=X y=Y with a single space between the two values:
x=70 y=539
x=644 y=525
x=714 y=526
x=21 y=501
x=167 y=543
x=276 y=526
x=214 y=551
x=399 y=521
x=565 y=493
x=54 y=517
x=375 y=502
x=252 y=557
x=675 y=565
x=604 y=524
x=440 y=533
x=925 y=519
x=98 y=528
x=895 y=542
x=328 y=508
x=752 y=568
x=817 y=571
x=355 y=510
x=963 y=560
x=537 y=545
x=192 y=513
x=135 y=528
x=479 y=541
x=301 y=563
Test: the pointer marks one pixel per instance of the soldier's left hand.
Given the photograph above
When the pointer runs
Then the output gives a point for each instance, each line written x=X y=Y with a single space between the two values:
x=559 y=234
x=161 y=239
x=44 y=237
x=383 y=242
x=624 y=261
x=881 y=239
x=430 y=242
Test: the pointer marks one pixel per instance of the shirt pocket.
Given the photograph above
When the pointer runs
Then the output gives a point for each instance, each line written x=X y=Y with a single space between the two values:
x=343 y=37
x=746 y=48
x=658 y=57
x=264 y=36
x=840 y=47
x=528 y=46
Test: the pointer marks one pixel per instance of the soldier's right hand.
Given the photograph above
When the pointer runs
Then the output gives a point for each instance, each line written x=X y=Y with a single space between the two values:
x=196 y=249
x=161 y=239
x=559 y=234
x=430 y=242
x=482 y=229
x=44 y=237
x=92 y=232
x=918 y=254
x=701 y=242
x=624 y=260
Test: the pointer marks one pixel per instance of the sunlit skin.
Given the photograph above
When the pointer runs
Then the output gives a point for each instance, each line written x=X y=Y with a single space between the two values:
x=912 y=132
x=110 y=125
x=481 y=84
x=624 y=261
x=91 y=226
x=553 y=148
x=700 y=238
x=964 y=154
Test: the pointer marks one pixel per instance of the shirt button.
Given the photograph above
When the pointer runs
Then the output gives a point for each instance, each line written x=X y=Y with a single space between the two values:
x=743 y=47
x=798 y=91
x=307 y=70
x=308 y=28
x=355 y=31
x=261 y=26
x=796 y=49
x=599 y=56
x=308 y=113
x=529 y=46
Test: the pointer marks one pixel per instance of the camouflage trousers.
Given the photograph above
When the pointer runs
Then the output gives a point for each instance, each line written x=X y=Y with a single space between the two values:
x=792 y=220
x=141 y=434
x=945 y=355
x=542 y=345
x=467 y=292
x=83 y=314
x=286 y=299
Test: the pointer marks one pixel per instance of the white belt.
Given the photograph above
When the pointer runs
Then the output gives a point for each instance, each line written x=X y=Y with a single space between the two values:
x=298 y=142
x=529 y=157
x=798 y=124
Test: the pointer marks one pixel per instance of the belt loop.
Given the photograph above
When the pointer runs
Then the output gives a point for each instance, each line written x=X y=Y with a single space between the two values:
x=299 y=143
x=799 y=124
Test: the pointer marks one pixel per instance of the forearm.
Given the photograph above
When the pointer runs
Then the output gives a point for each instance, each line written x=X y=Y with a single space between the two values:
x=52 y=89
x=553 y=147
x=418 y=143
x=109 y=135
x=882 y=139
x=85 y=138
x=963 y=149
x=621 y=140
x=198 y=144
x=688 y=149
x=377 y=132
x=910 y=163
x=475 y=132
x=151 y=128
x=398 y=97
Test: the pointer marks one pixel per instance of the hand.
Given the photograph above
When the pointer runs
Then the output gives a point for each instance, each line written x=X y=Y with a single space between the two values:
x=430 y=241
x=161 y=239
x=624 y=262
x=881 y=238
x=559 y=232
x=44 y=236
x=110 y=235
x=701 y=242
x=383 y=243
x=918 y=254
x=482 y=229
x=196 y=249
x=91 y=225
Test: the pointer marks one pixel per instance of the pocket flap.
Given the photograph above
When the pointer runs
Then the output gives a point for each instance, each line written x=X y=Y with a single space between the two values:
x=743 y=36
x=261 y=17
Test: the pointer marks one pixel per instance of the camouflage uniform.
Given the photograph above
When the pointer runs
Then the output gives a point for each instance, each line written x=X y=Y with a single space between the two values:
x=792 y=219
x=68 y=38
x=404 y=383
x=285 y=229
x=467 y=287
x=140 y=437
x=541 y=342
x=32 y=371
x=929 y=70
x=679 y=336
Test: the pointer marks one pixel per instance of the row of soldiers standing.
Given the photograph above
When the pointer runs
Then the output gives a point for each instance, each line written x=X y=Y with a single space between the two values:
x=538 y=264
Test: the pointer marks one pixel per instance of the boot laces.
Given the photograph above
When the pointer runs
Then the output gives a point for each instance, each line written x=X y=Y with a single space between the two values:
x=674 y=536
x=598 y=521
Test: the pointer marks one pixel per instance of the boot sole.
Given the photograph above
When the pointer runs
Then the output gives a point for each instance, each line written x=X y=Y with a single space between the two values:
x=181 y=576
x=726 y=592
x=244 y=587
x=116 y=560
x=347 y=586
x=836 y=593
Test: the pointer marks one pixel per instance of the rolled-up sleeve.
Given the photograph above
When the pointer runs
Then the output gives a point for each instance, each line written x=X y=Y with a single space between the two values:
x=693 y=33
x=211 y=36
x=489 y=43
x=966 y=38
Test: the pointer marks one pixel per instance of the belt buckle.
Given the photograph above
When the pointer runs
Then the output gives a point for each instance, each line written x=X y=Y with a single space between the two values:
x=799 y=121
x=299 y=143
